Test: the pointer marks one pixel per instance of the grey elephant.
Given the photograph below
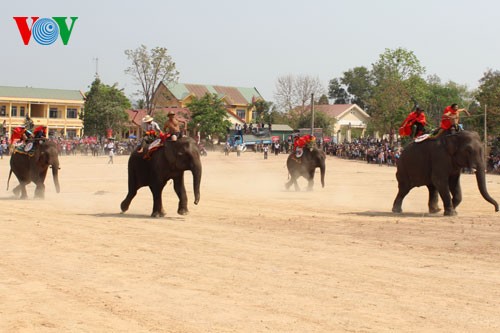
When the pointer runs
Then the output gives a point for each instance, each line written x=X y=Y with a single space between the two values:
x=168 y=162
x=437 y=164
x=32 y=166
x=305 y=166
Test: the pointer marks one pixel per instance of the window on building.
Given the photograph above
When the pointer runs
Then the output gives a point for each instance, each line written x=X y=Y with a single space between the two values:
x=3 y=111
x=21 y=111
x=53 y=113
x=241 y=113
x=13 y=111
x=254 y=116
x=71 y=133
x=71 y=113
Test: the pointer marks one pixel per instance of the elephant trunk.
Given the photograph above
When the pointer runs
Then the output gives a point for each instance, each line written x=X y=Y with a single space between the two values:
x=322 y=170
x=55 y=172
x=481 y=184
x=196 y=170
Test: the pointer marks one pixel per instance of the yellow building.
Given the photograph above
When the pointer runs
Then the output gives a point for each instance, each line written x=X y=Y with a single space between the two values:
x=238 y=101
x=56 y=109
x=348 y=118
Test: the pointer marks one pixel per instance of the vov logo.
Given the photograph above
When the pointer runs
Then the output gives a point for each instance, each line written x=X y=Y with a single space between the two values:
x=45 y=30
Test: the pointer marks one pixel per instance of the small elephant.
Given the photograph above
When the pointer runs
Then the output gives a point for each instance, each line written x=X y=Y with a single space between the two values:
x=168 y=162
x=437 y=164
x=305 y=166
x=32 y=167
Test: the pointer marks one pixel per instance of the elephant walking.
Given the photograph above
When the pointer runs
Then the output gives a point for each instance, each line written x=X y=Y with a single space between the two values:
x=305 y=166
x=32 y=167
x=168 y=162
x=437 y=164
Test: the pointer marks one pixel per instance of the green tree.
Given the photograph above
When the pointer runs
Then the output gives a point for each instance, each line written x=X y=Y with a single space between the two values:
x=321 y=120
x=105 y=107
x=359 y=83
x=441 y=95
x=323 y=100
x=209 y=116
x=397 y=79
x=148 y=69
x=488 y=95
x=338 y=92
x=262 y=108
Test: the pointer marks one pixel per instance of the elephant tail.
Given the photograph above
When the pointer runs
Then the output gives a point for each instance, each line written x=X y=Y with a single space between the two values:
x=8 y=180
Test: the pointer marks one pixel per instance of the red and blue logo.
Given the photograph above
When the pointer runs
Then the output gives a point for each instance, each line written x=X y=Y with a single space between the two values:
x=45 y=31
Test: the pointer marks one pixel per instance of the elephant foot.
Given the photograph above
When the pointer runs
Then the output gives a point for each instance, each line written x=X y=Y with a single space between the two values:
x=16 y=191
x=157 y=214
x=182 y=211
x=450 y=212
x=434 y=210
x=397 y=210
x=124 y=206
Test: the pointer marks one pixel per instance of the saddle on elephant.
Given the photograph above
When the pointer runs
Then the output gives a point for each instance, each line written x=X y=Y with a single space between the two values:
x=157 y=142
x=300 y=142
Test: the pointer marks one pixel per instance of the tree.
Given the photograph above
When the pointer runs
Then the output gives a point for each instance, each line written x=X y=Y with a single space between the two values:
x=321 y=120
x=104 y=108
x=441 y=95
x=148 y=69
x=262 y=108
x=294 y=91
x=323 y=100
x=397 y=78
x=304 y=87
x=285 y=96
x=359 y=83
x=488 y=95
x=338 y=92
x=208 y=116
x=399 y=63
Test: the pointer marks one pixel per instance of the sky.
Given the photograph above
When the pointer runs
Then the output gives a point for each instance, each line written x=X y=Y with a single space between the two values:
x=249 y=43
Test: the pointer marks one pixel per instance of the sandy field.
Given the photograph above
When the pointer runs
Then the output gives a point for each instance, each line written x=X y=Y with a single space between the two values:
x=251 y=257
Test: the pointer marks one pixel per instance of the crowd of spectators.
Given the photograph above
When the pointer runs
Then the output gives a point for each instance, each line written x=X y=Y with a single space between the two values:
x=381 y=152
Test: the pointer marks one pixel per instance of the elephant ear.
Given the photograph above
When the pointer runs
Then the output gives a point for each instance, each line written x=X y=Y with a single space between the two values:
x=451 y=144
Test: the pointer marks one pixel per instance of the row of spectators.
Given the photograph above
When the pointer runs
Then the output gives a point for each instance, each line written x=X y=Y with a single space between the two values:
x=382 y=152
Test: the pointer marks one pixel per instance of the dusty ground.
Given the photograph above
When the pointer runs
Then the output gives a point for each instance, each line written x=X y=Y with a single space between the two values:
x=251 y=257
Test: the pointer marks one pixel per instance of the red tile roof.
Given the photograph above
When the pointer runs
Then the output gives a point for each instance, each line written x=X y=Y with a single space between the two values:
x=135 y=116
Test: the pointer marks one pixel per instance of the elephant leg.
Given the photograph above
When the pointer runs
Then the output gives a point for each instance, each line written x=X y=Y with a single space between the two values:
x=156 y=190
x=180 y=190
x=398 y=202
x=293 y=181
x=449 y=210
x=310 y=180
x=40 y=191
x=128 y=199
x=433 y=199
x=21 y=188
x=17 y=190
x=456 y=191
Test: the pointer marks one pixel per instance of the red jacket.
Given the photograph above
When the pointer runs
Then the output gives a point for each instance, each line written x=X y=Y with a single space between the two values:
x=413 y=117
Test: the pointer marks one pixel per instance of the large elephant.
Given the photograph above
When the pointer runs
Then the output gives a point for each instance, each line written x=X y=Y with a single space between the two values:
x=305 y=166
x=168 y=162
x=32 y=167
x=437 y=164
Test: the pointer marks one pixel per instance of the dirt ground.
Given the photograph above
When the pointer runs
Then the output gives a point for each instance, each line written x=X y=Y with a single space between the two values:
x=251 y=257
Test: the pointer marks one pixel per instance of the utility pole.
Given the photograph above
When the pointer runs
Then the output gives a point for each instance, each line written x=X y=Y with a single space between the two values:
x=312 y=114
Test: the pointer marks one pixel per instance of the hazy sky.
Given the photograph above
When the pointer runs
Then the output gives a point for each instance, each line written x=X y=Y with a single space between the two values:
x=250 y=43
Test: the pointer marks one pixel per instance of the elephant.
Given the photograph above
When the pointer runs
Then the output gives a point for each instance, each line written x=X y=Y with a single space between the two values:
x=32 y=167
x=168 y=162
x=437 y=163
x=305 y=166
